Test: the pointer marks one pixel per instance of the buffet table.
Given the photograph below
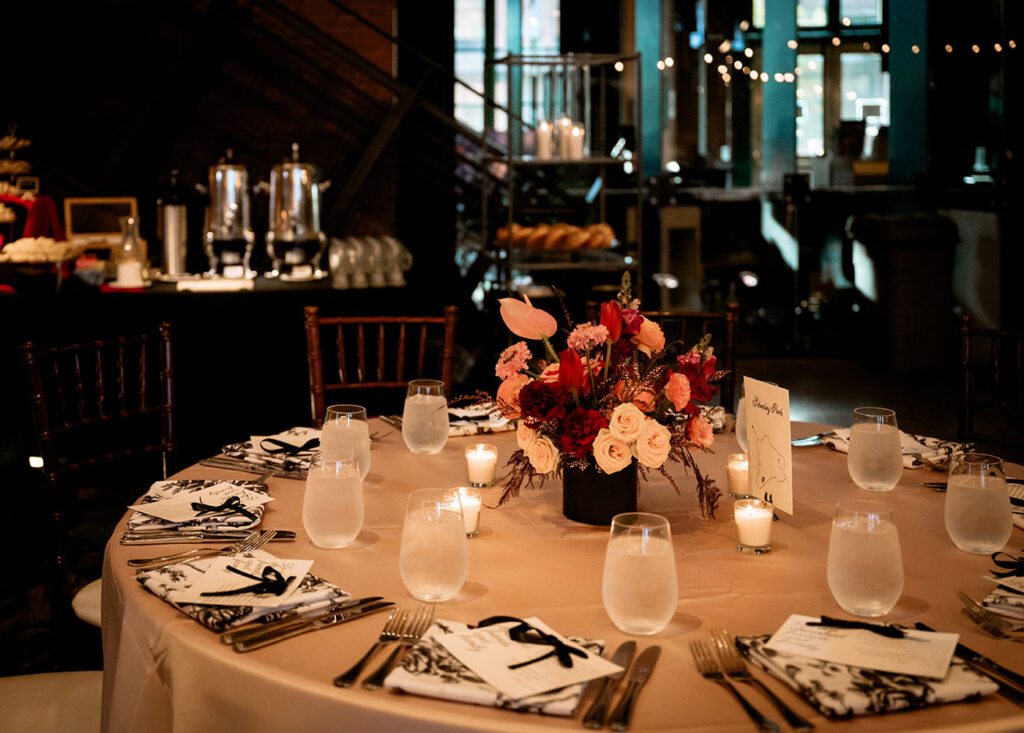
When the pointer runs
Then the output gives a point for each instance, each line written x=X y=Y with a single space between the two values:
x=165 y=672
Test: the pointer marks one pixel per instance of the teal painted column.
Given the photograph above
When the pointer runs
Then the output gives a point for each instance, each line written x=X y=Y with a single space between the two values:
x=908 y=91
x=648 y=44
x=778 y=118
x=514 y=15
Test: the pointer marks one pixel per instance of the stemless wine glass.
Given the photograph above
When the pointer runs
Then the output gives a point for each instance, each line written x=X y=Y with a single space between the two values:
x=875 y=461
x=332 y=505
x=425 y=418
x=345 y=428
x=865 y=564
x=741 y=419
x=640 y=590
x=978 y=514
x=434 y=557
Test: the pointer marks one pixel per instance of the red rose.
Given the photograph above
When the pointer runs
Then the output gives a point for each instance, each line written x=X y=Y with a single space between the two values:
x=540 y=401
x=579 y=428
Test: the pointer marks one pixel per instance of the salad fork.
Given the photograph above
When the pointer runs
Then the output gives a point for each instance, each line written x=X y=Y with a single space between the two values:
x=735 y=666
x=412 y=632
x=392 y=631
x=252 y=542
x=994 y=619
x=708 y=668
x=986 y=625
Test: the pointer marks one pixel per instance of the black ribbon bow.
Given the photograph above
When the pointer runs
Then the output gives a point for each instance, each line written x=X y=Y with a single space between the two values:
x=1012 y=566
x=272 y=583
x=524 y=633
x=288 y=449
x=881 y=629
x=233 y=505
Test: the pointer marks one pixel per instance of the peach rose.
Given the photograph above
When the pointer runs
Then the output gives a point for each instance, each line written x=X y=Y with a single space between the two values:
x=678 y=390
x=543 y=454
x=525 y=436
x=550 y=373
x=612 y=454
x=699 y=432
x=653 y=445
x=508 y=395
x=626 y=422
x=650 y=337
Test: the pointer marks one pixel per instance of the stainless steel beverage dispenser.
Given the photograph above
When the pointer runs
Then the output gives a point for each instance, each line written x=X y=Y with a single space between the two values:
x=172 y=228
x=294 y=240
x=228 y=236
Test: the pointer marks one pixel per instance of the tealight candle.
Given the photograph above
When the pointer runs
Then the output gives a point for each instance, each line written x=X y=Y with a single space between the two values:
x=481 y=459
x=471 y=503
x=754 y=525
x=738 y=468
x=545 y=138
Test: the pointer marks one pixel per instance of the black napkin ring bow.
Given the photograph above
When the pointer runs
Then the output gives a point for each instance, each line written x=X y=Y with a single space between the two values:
x=524 y=633
x=280 y=446
x=1013 y=566
x=272 y=583
x=233 y=505
x=881 y=629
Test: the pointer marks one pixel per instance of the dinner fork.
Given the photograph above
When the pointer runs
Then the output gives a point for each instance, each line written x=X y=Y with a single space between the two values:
x=708 y=668
x=250 y=543
x=392 y=631
x=412 y=632
x=986 y=625
x=735 y=666
x=992 y=618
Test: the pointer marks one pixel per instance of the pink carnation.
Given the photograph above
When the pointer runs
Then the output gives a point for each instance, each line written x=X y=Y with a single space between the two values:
x=678 y=390
x=699 y=431
x=512 y=360
x=586 y=336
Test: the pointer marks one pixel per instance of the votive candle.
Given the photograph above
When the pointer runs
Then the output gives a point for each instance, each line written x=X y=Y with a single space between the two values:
x=753 y=525
x=481 y=460
x=471 y=502
x=738 y=467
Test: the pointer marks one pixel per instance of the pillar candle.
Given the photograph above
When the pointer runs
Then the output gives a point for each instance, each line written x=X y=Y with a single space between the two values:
x=576 y=147
x=565 y=138
x=545 y=138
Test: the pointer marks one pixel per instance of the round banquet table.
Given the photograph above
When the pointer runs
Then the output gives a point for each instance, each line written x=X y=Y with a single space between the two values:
x=165 y=672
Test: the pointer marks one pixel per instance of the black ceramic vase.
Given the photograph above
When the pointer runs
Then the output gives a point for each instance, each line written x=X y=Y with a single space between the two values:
x=594 y=497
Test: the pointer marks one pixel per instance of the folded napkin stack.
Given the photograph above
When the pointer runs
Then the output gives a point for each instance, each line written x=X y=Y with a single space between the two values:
x=430 y=670
x=165 y=582
x=289 y=449
x=842 y=691
x=918 y=450
x=477 y=420
x=162 y=490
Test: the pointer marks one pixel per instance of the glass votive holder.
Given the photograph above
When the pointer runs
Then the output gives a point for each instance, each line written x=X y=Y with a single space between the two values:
x=739 y=476
x=472 y=500
x=753 y=525
x=481 y=461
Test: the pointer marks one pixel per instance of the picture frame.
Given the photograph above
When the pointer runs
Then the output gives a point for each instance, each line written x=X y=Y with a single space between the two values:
x=95 y=220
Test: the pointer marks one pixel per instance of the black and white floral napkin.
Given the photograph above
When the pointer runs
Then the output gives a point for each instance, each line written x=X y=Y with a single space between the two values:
x=162 y=490
x=259 y=451
x=842 y=691
x=164 y=582
x=430 y=670
x=918 y=450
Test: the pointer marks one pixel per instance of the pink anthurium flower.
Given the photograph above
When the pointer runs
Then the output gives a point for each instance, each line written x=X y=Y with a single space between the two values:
x=526 y=321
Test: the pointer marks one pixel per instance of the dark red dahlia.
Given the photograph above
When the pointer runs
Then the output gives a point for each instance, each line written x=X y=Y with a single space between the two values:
x=579 y=428
x=540 y=401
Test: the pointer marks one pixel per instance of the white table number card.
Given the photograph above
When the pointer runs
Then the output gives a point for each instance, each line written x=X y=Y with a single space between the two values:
x=768 y=440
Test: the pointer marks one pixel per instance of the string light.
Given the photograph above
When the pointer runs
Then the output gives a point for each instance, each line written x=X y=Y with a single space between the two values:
x=835 y=40
x=998 y=47
x=788 y=76
x=661 y=65
x=1012 y=44
x=745 y=70
x=619 y=66
x=915 y=48
x=753 y=73
x=726 y=78
x=949 y=48
x=737 y=64
x=778 y=77
x=708 y=58
x=866 y=46
x=764 y=76
x=728 y=59
x=748 y=52
x=669 y=61
x=744 y=25
x=724 y=47
x=846 y=21
x=722 y=68
x=885 y=48
x=791 y=43
x=976 y=48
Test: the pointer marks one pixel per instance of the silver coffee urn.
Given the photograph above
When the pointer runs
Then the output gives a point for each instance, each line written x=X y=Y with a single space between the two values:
x=172 y=228
x=294 y=240
x=228 y=237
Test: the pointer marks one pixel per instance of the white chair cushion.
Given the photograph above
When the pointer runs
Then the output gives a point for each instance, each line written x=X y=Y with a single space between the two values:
x=87 y=602
x=57 y=702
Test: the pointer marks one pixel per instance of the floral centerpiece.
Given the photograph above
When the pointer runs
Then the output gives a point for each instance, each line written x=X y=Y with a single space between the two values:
x=612 y=401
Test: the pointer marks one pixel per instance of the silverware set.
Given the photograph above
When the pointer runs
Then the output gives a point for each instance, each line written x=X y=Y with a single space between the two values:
x=811 y=439
x=258 y=637
x=725 y=664
x=403 y=628
x=195 y=536
x=253 y=541
x=639 y=673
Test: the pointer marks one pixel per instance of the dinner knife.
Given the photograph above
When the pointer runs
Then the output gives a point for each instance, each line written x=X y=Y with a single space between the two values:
x=1009 y=682
x=320 y=622
x=638 y=677
x=288 y=621
x=623 y=656
x=170 y=537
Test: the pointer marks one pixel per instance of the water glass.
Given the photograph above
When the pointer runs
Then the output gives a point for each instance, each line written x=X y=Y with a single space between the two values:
x=434 y=557
x=875 y=460
x=978 y=514
x=425 y=418
x=865 y=564
x=332 y=505
x=640 y=590
x=345 y=428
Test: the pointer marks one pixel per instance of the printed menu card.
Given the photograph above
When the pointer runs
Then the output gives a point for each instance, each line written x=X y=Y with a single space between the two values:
x=245 y=581
x=221 y=500
x=770 y=455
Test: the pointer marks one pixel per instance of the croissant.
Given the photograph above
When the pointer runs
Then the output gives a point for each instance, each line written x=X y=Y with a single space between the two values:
x=537 y=236
x=557 y=236
x=600 y=236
